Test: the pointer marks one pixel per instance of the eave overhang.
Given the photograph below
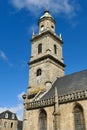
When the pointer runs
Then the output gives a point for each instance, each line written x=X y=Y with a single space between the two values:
x=47 y=57
x=47 y=31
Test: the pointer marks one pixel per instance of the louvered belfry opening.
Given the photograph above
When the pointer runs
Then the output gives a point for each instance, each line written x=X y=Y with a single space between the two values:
x=79 y=118
x=43 y=120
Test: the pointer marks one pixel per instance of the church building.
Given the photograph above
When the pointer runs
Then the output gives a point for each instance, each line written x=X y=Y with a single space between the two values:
x=53 y=101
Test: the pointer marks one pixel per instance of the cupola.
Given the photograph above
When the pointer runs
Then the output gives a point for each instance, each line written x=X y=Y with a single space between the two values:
x=46 y=22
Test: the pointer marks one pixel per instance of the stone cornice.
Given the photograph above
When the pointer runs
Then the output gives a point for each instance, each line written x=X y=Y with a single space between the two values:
x=45 y=32
x=80 y=95
x=45 y=57
x=47 y=18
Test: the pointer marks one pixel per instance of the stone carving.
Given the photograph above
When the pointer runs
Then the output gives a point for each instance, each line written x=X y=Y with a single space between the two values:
x=62 y=99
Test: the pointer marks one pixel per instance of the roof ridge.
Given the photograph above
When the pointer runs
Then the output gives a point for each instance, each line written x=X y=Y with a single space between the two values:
x=73 y=73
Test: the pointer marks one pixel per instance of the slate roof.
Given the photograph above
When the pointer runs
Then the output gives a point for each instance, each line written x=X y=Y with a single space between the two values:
x=20 y=124
x=69 y=84
x=2 y=115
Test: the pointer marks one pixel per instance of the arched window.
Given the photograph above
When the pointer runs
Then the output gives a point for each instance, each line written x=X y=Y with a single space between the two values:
x=42 y=27
x=39 y=72
x=79 y=118
x=5 y=124
x=13 y=116
x=55 y=49
x=43 y=120
x=39 y=48
x=6 y=115
x=11 y=124
x=52 y=26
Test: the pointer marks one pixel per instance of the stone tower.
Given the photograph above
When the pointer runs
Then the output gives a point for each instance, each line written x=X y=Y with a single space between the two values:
x=46 y=62
x=53 y=101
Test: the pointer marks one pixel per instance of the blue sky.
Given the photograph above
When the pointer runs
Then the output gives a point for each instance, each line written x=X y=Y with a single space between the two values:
x=18 y=19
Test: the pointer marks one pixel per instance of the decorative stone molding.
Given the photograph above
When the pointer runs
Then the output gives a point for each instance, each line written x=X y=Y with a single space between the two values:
x=39 y=104
x=73 y=97
x=62 y=99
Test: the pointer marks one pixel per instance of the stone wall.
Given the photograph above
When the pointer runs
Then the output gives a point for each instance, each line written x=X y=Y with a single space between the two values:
x=7 y=126
x=65 y=116
x=50 y=71
x=46 y=24
x=48 y=42
x=31 y=119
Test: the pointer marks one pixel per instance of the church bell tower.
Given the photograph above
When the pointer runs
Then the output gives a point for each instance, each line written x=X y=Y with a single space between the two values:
x=46 y=62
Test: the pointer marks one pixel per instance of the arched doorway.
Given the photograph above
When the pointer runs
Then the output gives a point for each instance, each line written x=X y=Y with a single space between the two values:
x=43 y=120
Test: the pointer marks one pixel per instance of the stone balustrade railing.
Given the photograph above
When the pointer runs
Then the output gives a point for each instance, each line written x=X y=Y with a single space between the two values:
x=73 y=97
x=62 y=99
x=38 y=104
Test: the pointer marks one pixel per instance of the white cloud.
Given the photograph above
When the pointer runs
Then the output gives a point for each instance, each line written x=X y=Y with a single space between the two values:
x=20 y=96
x=33 y=29
x=3 y=56
x=66 y=7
